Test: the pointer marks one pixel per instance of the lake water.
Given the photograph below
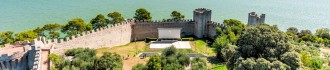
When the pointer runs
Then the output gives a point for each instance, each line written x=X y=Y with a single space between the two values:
x=20 y=15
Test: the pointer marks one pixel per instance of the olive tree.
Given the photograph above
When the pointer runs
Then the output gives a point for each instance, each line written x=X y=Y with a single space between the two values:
x=99 y=21
x=6 y=37
x=75 y=26
x=142 y=14
x=26 y=35
x=177 y=15
x=116 y=17
x=292 y=30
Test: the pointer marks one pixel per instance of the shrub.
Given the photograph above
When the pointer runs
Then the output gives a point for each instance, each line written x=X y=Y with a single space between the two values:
x=139 y=67
x=198 y=64
x=316 y=63
x=169 y=51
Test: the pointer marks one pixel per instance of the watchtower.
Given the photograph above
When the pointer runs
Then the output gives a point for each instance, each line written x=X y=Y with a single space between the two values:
x=254 y=18
x=201 y=17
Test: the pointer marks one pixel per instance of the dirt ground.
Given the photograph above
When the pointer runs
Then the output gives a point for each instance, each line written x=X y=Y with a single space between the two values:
x=324 y=52
x=128 y=53
x=130 y=49
x=131 y=61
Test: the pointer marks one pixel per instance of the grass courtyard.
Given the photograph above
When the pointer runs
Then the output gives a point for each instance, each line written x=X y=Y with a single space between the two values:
x=130 y=50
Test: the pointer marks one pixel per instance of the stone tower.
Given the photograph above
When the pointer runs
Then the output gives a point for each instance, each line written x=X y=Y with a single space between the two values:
x=254 y=18
x=201 y=17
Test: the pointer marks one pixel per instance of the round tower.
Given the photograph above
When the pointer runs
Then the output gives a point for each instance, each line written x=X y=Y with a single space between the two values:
x=201 y=17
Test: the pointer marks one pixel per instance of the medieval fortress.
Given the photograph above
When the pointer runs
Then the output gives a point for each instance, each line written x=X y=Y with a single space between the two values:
x=33 y=55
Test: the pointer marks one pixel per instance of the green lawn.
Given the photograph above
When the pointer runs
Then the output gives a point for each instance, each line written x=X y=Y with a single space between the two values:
x=219 y=67
x=202 y=47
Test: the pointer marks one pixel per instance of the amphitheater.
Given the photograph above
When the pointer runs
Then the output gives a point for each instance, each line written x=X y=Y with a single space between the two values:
x=33 y=55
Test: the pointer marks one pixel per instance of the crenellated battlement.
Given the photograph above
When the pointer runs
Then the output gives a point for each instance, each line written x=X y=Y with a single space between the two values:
x=66 y=39
x=216 y=24
x=162 y=21
x=253 y=18
x=123 y=33
x=202 y=10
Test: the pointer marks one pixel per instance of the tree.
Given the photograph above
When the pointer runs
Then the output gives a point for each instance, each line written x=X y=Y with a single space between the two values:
x=52 y=28
x=84 y=58
x=323 y=33
x=177 y=15
x=71 y=68
x=306 y=60
x=39 y=30
x=292 y=30
x=234 y=22
x=110 y=61
x=304 y=32
x=116 y=17
x=235 y=26
x=309 y=37
x=247 y=64
x=183 y=59
x=154 y=63
x=173 y=66
x=142 y=14
x=262 y=64
x=139 y=67
x=54 y=35
x=6 y=37
x=317 y=63
x=221 y=42
x=264 y=41
x=259 y=46
x=198 y=64
x=99 y=21
x=75 y=26
x=170 y=51
x=278 y=65
x=228 y=52
x=292 y=59
x=26 y=35
x=55 y=59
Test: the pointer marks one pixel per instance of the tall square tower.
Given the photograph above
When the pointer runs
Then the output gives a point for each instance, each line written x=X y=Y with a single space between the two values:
x=201 y=17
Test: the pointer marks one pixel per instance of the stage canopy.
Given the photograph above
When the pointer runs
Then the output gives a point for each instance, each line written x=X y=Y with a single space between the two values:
x=169 y=33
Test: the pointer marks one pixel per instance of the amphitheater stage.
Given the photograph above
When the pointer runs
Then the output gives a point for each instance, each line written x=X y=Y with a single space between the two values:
x=165 y=44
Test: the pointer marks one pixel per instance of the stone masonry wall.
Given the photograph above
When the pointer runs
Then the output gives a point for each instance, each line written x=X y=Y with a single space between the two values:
x=141 y=29
x=126 y=32
x=211 y=32
x=116 y=35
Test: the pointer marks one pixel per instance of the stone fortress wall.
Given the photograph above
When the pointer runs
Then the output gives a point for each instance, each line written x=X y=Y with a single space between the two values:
x=122 y=33
x=142 y=29
x=116 y=35
x=132 y=30
x=21 y=56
